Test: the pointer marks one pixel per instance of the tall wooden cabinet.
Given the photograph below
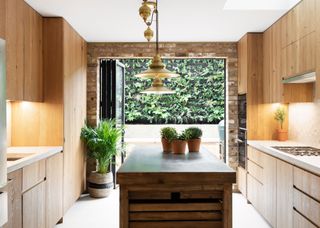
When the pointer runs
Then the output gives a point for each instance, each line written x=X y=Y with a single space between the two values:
x=65 y=64
x=2 y=19
x=318 y=50
x=23 y=34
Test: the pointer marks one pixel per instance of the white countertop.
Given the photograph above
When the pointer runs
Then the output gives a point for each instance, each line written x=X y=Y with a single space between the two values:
x=310 y=163
x=36 y=154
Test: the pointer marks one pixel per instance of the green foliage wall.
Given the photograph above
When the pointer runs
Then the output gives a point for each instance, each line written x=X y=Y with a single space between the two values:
x=199 y=96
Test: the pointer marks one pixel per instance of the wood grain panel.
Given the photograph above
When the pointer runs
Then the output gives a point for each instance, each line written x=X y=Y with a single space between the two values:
x=198 y=224
x=33 y=75
x=307 y=182
x=284 y=194
x=54 y=190
x=242 y=180
x=242 y=65
x=15 y=49
x=318 y=50
x=300 y=222
x=306 y=206
x=14 y=200
x=255 y=193
x=2 y=19
x=138 y=207
x=255 y=156
x=74 y=62
x=34 y=215
x=175 y=216
x=255 y=171
x=33 y=174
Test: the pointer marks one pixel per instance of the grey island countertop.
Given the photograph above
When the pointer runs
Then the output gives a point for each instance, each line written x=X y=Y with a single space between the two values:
x=149 y=160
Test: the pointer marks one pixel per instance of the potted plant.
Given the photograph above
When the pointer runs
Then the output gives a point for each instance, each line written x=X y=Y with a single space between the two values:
x=102 y=142
x=280 y=116
x=167 y=135
x=193 y=135
x=179 y=143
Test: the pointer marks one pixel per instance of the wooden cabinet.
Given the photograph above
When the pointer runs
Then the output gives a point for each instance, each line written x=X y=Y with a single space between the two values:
x=242 y=65
x=24 y=52
x=317 y=19
x=54 y=190
x=242 y=180
x=33 y=174
x=32 y=55
x=262 y=183
x=14 y=200
x=301 y=222
x=284 y=194
x=15 y=49
x=65 y=64
x=2 y=19
x=33 y=201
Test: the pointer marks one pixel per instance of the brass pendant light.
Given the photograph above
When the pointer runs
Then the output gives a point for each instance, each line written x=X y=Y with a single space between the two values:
x=157 y=70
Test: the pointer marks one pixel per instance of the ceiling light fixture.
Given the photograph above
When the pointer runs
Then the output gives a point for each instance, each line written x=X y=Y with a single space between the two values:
x=157 y=70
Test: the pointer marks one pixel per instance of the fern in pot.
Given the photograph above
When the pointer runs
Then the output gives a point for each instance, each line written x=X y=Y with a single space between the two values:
x=102 y=143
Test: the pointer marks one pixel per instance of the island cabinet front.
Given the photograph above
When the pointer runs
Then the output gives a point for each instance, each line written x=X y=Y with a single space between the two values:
x=180 y=191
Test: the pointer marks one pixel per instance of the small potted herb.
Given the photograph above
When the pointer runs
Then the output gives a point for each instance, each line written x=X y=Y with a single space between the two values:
x=280 y=116
x=167 y=135
x=179 y=143
x=193 y=136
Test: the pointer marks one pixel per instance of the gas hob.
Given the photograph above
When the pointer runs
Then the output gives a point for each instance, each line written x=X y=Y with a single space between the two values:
x=299 y=150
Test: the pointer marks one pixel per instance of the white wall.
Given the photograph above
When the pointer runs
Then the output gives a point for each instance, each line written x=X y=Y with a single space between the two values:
x=304 y=123
x=151 y=133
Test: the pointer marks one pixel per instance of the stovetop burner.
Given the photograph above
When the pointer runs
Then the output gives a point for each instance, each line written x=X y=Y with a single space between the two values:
x=299 y=150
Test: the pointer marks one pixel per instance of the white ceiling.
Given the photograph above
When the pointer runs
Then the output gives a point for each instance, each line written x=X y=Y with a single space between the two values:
x=180 y=20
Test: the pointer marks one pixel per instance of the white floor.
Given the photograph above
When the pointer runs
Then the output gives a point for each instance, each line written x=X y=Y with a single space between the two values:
x=104 y=213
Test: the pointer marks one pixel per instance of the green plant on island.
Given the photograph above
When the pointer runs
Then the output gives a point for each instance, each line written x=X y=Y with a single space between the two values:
x=193 y=133
x=181 y=136
x=168 y=133
x=102 y=142
x=280 y=116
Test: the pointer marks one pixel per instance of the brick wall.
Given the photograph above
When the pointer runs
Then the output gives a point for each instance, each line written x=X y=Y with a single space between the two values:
x=130 y=50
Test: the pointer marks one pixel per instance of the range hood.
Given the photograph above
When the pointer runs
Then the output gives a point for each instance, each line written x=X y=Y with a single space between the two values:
x=304 y=78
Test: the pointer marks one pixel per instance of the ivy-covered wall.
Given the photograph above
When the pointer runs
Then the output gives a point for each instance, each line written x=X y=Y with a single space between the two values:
x=199 y=96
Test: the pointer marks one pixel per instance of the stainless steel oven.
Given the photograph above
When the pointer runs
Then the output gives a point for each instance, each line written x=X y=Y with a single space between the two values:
x=242 y=131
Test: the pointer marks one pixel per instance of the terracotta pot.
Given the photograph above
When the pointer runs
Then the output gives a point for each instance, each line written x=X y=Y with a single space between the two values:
x=100 y=185
x=194 y=145
x=282 y=135
x=179 y=146
x=166 y=145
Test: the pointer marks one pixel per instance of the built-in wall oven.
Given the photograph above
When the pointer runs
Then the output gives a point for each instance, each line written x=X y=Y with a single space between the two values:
x=242 y=131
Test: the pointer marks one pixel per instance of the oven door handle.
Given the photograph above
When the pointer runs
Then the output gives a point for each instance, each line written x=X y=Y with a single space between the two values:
x=240 y=141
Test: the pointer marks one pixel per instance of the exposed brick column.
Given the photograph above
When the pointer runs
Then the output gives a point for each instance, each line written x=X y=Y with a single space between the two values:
x=226 y=50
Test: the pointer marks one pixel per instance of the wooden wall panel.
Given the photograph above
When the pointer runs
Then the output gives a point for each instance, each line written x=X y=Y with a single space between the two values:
x=318 y=50
x=2 y=19
x=74 y=114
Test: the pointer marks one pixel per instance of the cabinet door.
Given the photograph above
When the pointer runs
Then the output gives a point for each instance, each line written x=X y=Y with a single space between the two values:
x=54 y=188
x=2 y=19
x=242 y=180
x=290 y=60
x=14 y=49
x=32 y=55
x=284 y=194
x=307 y=15
x=307 y=53
x=267 y=66
x=242 y=65
x=14 y=200
x=34 y=214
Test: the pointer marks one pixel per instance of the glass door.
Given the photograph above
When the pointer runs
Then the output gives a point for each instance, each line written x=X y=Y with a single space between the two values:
x=112 y=83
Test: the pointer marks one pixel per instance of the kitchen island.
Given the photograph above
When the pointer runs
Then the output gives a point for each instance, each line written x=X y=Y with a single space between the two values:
x=167 y=190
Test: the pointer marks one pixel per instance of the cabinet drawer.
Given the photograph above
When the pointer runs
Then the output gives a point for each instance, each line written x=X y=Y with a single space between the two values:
x=307 y=182
x=255 y=192
x=255 y=171
x=255 y=156
x=300 y=222
x=306 y=206
x=33 y=174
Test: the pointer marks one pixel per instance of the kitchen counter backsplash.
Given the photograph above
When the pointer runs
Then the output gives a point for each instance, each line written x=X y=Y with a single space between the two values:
x=304 y=123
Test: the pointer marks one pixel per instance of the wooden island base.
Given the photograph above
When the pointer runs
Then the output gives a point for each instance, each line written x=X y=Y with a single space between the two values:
x=160 y=191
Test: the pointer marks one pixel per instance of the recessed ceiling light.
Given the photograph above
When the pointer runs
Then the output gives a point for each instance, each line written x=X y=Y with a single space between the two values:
x=260 y=4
